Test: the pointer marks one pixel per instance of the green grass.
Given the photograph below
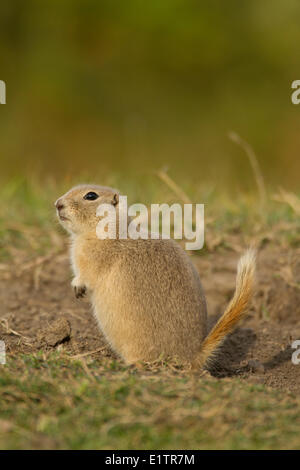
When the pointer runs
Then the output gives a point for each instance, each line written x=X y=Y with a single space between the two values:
x=52 y=401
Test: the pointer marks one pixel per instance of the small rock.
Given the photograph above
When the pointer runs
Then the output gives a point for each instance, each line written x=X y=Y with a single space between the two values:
x=256 y=366
x=57 y=332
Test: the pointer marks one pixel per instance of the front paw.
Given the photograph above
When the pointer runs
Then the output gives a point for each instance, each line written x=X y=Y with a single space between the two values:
x=80 y=291
x=79 y=288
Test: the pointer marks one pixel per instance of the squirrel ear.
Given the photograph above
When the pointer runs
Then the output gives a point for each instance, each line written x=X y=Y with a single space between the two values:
x=115 y=199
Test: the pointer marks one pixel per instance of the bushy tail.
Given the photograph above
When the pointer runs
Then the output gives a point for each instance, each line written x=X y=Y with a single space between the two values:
x=235 y=311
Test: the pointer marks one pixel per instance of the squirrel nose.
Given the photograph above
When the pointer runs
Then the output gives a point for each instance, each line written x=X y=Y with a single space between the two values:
x=59 y=205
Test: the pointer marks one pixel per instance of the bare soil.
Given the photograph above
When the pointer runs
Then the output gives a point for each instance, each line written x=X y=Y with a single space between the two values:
x=39 y=311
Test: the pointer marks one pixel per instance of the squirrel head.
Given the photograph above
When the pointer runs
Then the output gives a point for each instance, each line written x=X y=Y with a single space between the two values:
x=76 y=210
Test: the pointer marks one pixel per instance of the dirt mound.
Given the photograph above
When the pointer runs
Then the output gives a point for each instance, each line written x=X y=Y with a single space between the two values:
x=39 y=311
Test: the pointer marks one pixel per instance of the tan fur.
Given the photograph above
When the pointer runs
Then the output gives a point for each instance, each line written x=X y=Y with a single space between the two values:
x=146 y=294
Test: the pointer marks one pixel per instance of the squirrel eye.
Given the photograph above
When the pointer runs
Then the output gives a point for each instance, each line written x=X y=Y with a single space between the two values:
x=91 y=196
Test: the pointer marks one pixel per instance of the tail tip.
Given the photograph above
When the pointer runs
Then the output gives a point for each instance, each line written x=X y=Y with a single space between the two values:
x=248 y=259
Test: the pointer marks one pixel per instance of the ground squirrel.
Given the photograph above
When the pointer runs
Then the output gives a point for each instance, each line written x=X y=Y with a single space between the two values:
x=146 y=294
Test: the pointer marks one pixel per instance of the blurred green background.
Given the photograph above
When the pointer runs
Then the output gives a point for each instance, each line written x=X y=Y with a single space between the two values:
x=97 y=87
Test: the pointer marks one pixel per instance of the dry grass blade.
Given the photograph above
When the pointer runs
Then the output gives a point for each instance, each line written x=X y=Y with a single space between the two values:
x=234 y=137
x=4 y=323
x=288 y=198
x=37 y=262
x=81 y=358
x=89 y=353
x=162 y=174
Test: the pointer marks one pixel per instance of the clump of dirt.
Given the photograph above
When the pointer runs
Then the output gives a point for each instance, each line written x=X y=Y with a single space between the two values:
x=34 y=297
x=256 y=366
x=56 y=333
